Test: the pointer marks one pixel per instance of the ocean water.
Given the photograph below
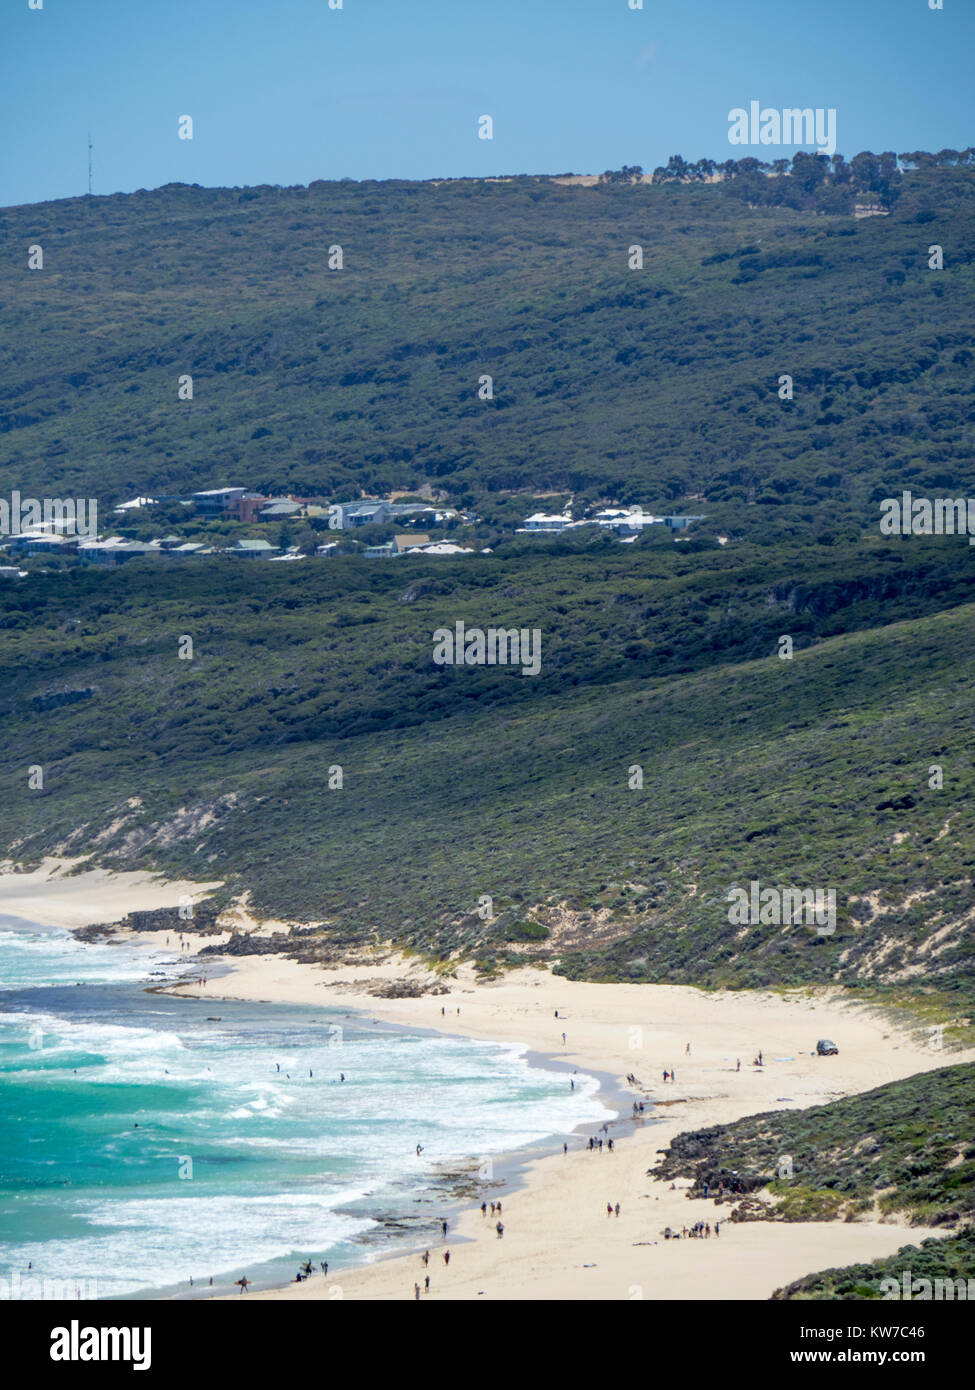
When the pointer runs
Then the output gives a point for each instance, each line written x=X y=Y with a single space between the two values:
x=145 y=1139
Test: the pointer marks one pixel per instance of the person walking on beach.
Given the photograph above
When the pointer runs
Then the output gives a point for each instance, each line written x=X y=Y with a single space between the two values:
x=426 y=1284
x=563 y=1040
x=416 y=1292
x=717 y=1228
x=666 y=1074
x=572 y=1085
x=425 y=1257
x=243 y=1282
x=499 y=1208
x=443 y=1228
x=610 y=1144
x=687 y=1050
x=500 y=1229
x=738 y=1064
x=484 y=1208
x=609 y=1208
x=617 y=1208
x=565 y=1148
x=600 y=1146
x=446 y=1257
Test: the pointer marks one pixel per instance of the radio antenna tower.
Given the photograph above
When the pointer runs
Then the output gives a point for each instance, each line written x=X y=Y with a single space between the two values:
x=89 y=163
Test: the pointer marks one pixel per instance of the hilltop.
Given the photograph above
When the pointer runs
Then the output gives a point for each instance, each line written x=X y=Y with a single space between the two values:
x=312 y=753
x=646 y=385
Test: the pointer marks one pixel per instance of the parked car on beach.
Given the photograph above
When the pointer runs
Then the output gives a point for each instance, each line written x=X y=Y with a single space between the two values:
x=825 y=1048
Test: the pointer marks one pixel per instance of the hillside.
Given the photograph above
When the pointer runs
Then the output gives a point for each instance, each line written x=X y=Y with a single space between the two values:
x=648 y=385
x=849 y=767
x=952 y=1258
x=906 y=1148
x=463 y=781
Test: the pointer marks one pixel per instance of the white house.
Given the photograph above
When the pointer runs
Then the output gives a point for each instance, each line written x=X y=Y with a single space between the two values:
x=549 y=524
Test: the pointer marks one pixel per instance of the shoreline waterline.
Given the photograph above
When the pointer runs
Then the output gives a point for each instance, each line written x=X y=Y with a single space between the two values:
x=559 y=1242
x=437 y=1087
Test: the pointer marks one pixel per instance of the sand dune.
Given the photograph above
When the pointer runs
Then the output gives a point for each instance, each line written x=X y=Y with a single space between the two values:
x=62 y=894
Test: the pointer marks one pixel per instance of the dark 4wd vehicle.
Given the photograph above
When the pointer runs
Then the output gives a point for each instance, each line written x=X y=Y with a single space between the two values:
x=825 y=1048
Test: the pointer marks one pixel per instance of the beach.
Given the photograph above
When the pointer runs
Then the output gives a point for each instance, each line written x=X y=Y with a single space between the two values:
x=60 y=892
x=559 y=1242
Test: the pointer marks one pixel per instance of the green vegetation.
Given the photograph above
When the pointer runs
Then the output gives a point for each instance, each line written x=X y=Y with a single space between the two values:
x=951 y=1258
x=906 y=1148
x=653 y=386
x=313 y=754
x=463 y=781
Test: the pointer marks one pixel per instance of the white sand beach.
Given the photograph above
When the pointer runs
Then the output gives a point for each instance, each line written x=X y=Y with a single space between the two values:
x=62 y=893
x=559 y=1242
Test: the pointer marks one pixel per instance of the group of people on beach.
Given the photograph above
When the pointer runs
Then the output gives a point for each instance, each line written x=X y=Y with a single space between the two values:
x=425 y=1257
x=305 y=1271
x=596 y=1144
x=701 y=1230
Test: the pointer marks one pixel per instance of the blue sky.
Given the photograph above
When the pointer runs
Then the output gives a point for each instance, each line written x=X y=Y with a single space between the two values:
x=286 y=91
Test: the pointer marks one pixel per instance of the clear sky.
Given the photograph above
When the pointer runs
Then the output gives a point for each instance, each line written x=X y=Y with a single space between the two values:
x=286 y=91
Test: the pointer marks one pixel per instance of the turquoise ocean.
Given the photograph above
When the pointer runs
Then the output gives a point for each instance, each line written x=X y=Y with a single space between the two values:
x=146 y=1139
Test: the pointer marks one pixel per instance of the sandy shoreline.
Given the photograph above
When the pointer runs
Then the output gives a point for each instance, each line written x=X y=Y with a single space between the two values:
x=62 y=894
x=558 y=1241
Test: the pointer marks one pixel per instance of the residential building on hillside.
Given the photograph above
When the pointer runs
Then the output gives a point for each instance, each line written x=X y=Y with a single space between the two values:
x=403 y=543
x=115 y=551
x=254 y=550
x=39 y=541
x=216 y=502
x=345 y=516
x=279 y=509
x=540 y=522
